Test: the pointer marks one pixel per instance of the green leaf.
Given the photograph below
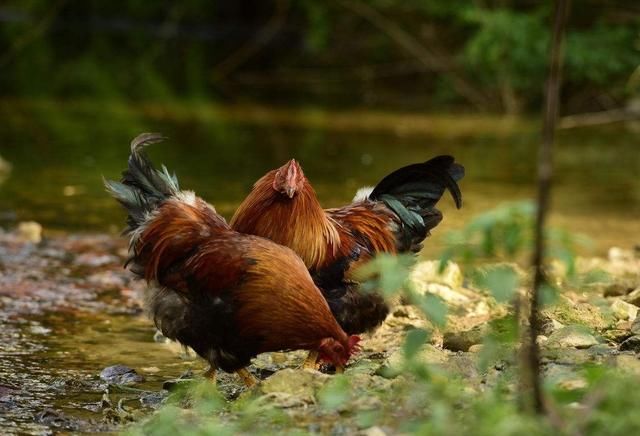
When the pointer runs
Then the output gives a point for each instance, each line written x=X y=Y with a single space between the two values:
x=502 y=281
x=336 y=393
x=434 y=308
x=414 y=340
x=549 y=294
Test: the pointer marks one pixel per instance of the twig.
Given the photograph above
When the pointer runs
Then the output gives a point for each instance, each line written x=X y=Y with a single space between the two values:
x=598 y=118
x=32 y=34
x=545 y=173
x=410 y=44
x=251 y=47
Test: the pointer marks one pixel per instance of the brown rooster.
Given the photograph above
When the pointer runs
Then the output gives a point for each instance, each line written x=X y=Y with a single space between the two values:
x=394 y=217
x=227 y=295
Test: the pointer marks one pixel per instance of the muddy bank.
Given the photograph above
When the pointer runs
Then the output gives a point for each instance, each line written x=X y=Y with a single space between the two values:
x=69 y=312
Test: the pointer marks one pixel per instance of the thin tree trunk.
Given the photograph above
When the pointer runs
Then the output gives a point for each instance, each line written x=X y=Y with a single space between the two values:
x=545 y=173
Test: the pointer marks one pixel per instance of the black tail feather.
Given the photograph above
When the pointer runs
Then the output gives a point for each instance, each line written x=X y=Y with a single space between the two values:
x=424 y=182
x=412 y=192
x=143 y=187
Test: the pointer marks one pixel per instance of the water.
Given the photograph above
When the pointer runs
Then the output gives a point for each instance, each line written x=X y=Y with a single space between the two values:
x=60 y=151
x=60 y=324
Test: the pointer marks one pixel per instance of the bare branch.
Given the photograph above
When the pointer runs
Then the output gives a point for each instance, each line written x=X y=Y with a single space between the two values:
x=598 y=118
x=545 y=173
x=255 y=44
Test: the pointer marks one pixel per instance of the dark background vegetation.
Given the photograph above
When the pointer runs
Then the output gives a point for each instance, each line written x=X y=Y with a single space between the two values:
x=469 y=55
x=351 y=88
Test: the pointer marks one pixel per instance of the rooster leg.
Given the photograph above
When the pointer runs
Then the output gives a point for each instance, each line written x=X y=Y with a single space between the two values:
x=246 y=377
x=210 y=374
x=339 y=369
x=311 y=362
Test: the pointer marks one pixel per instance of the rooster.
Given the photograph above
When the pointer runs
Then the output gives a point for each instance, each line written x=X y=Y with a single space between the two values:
x=227 y=295
x=394 y=217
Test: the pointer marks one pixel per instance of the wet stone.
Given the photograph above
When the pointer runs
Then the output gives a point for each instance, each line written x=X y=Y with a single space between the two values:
x=631 y=344
x=571 y=336
x=121 y=375
x=635 y=327
x=152 y=400
x=177 y=384
x=54 y=418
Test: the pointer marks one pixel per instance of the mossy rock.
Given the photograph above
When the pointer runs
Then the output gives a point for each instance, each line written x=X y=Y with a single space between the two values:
x=585 y=314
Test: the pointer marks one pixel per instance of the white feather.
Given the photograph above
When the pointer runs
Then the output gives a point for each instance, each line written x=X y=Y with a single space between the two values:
x=363 y=194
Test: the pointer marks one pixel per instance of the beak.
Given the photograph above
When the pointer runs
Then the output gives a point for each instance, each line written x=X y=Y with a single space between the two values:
x=290 y=191
x=293 y=174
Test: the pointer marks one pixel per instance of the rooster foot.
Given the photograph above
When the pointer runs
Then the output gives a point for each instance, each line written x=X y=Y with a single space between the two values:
x=311 y=362
x=210 y=375
x=246 y=377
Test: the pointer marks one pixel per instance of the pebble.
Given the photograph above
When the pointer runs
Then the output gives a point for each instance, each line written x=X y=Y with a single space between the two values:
x=623 y=310
x=121 y=375
x=30 y=231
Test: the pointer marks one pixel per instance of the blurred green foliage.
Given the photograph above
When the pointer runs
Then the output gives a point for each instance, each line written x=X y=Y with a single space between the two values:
x=426 y=399
x=415 y=54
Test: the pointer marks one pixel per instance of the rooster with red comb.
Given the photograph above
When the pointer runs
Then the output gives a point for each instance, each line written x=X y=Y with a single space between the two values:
x=393 y=217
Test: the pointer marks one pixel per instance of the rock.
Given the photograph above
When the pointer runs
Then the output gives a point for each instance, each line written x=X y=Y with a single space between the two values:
x=374 y=431
x=461 y=341
x=631 y=344
x=602 y=350
x=616 y=289
x=633 y=297
x=476 y=348
x=541 y=339
x=617 y=254
x=573 y=384
x=299 y=383
x=623 y=310
x=570 y=312
x=282 y=400
x=428 y=355
x=178 y=384
x=153 y=400
x=428 y=272
x=550 y=325
x=571 y=336
x=635 y=326
x=29 y=231
x=54 y=418
x=453 y=297
x=566 y=357
x=616 y=335
x=628 y=363
x=121 y=375
x=364 y=366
